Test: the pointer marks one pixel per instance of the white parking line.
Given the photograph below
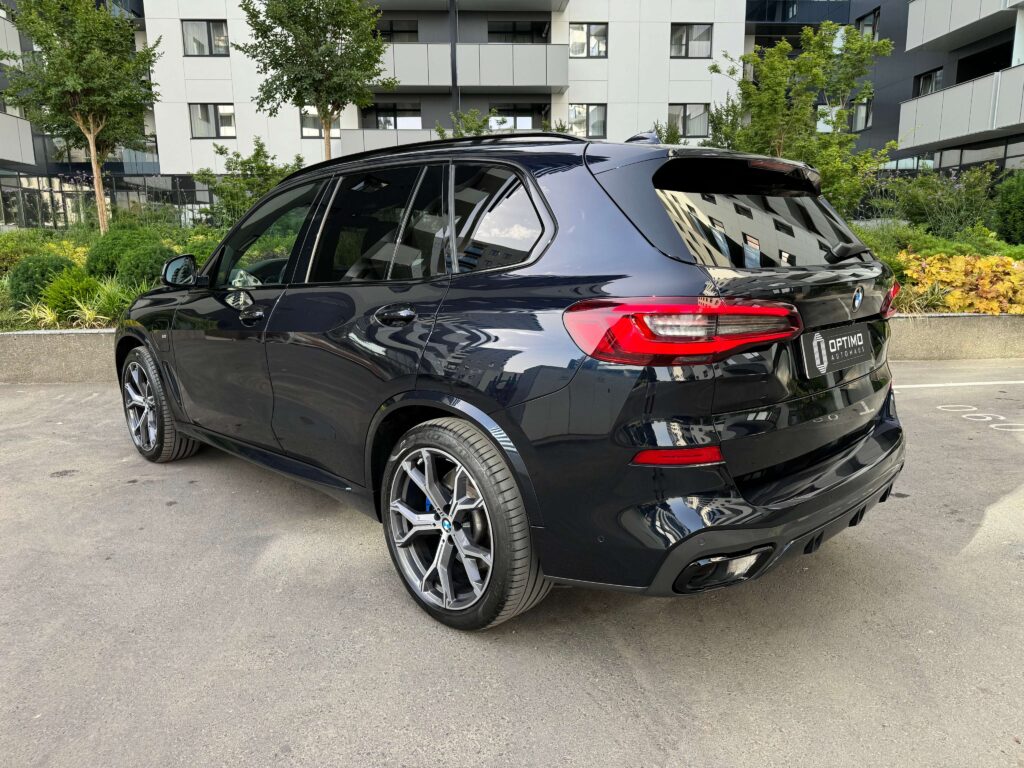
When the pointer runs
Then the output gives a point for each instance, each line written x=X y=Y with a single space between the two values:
x=898 y=387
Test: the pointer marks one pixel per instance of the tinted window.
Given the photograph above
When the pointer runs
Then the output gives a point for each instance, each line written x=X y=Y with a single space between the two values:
x=496 y=224
x=258 y=251
x=730 y=212
x=425 y=243
x=362 y=225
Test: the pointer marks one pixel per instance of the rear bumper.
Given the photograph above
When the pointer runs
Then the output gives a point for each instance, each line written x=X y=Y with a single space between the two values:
x=800 y=535
x=680 y=531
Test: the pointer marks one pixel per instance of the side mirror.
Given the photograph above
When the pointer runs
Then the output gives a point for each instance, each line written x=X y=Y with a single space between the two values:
x=182 y=272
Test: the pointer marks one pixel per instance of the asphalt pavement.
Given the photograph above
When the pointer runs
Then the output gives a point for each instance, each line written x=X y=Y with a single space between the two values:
x=208 y=612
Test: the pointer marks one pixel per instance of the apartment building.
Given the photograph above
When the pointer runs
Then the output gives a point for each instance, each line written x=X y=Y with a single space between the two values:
x=961 y=83
x=604 y=68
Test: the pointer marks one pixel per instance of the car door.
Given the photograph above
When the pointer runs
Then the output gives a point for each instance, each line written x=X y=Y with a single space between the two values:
x=218 y=330
x=352 y=335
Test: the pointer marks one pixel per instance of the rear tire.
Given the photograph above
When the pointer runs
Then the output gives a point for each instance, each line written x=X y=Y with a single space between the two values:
x=472 y=525
x=147 y=412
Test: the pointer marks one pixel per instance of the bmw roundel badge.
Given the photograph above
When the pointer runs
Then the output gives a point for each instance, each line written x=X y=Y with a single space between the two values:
x=858 y=298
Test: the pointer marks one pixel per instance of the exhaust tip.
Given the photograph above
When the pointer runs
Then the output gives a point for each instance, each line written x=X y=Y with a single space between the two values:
x=720 y=570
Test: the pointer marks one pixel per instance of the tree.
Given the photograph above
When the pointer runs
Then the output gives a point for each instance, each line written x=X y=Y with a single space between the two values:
x=800 y=106
x=244 y=181
x=667 y=132
x=472 y=123
x=85 y=83
x=324 y=54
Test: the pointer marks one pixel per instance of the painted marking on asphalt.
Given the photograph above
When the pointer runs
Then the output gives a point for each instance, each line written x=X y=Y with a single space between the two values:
x=898 y=387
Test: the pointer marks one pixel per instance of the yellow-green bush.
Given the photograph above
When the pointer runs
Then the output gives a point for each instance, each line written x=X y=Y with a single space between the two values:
x=962 y=283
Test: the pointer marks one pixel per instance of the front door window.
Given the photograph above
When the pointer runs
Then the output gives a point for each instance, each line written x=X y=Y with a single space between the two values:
x=257 y=253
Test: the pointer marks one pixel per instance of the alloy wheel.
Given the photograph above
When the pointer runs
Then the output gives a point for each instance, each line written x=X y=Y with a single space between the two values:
x=140 y=406
x=441 y=529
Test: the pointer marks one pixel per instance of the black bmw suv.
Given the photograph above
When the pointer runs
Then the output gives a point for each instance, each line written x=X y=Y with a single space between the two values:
x=539 y=360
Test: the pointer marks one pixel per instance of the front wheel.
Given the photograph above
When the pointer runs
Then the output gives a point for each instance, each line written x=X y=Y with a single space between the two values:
x=456 y=527
x=150 y=421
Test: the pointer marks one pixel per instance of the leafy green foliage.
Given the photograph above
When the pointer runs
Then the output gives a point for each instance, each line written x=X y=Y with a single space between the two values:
x=120 y=243
x=85 y=84
x=667 y=132
x=143 y=265
x=471 y=123
x=115 y=296
x=891 y=238
x=777 y=112
x=16 y=244
x=67 y=288
x=320 y=53
x=560 y=126
x=1009 y=213
x=244 y=181
x=30 y=275
x=945 y=204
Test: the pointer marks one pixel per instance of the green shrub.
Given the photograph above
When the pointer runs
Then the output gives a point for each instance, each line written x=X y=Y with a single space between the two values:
x=30 y=275
x=944 y=204
x=144 y=264
x=67 y=289
x=108 y=251
x=114 y=297
x=16 y=244
x=1010 y=208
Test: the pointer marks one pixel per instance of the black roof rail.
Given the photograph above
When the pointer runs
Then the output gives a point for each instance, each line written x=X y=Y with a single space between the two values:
x=465 y=141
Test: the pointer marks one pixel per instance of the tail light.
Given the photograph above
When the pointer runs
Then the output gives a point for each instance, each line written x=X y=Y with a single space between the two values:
x=887 y=308
x=659 y=332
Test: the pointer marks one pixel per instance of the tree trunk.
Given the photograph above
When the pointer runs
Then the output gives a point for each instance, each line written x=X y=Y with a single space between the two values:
x=97 y=183
x=325 y=126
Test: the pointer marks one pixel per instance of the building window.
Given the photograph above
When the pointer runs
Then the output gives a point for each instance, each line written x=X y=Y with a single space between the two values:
x=868 y=25
x=928 y=82
x=390 y=116
x=398 y=31
x=588 y=41
x=862 y=116
x=212 y=121
x=691 y=41
x=692 y=119
x=206 y=38
x=10 y=109
x=521 y=117
x=588 y=120
x=313 y=129
x=517 y=31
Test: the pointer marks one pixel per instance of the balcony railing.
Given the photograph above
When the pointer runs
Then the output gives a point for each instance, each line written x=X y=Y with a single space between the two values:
x=943 y=25
x=982 y=108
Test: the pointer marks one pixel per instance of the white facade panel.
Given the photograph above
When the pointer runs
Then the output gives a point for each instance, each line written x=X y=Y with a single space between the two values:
x=637 y=81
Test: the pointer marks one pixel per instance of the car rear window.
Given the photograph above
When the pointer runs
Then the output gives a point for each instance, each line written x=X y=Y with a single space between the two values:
x=741 y=213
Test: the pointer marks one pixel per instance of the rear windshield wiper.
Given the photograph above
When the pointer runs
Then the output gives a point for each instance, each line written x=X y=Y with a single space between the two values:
x=845 y=251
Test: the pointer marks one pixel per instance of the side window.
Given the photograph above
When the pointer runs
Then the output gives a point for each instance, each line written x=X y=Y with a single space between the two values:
x=258 y=251
x=496 y=224
x=362 y=225
x=425 y=247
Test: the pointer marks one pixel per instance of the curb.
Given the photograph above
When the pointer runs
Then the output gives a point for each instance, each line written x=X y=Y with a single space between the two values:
x=956 y=337
x=52 y=357
x=87 y=356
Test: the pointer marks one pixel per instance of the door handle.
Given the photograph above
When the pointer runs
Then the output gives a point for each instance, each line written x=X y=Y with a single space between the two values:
x=251 y=315
x=395 y=316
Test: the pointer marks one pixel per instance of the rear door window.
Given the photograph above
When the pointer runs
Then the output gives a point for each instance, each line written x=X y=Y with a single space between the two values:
x=362 y=225
x=496 y=223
